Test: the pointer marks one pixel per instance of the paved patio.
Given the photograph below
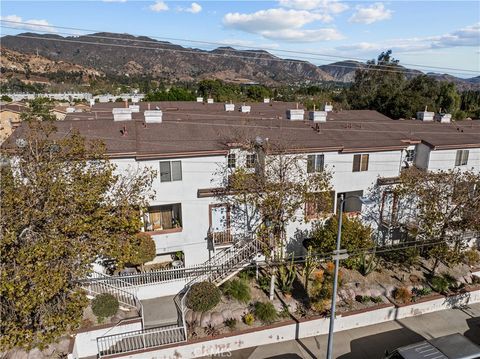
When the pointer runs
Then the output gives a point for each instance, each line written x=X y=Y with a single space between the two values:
x=159 y=311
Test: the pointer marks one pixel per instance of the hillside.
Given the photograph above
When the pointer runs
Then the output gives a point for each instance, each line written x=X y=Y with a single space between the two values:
x=131 y=56
x=123 y=55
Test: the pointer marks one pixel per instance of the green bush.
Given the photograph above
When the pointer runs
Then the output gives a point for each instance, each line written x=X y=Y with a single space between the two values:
x=104 y=306
x=265 y=311
x=203 y=296
x=377 y=299
x=237 y=289
x=471 y=257
x=264 y=283
x=231 y=323
x=420 y=292
x=249 y=319
x=247 y=274
x=439 y=284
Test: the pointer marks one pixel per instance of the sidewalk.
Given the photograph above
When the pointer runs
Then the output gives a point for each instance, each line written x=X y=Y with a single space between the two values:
x=370 y=342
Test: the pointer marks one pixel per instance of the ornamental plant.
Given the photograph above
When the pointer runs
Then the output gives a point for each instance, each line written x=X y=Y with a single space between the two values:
x=266 y=312
x=203 y=296
x=237 y=289
x=104 y=305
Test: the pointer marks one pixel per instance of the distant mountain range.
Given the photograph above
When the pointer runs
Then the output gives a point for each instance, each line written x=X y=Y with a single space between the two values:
x=104 y=54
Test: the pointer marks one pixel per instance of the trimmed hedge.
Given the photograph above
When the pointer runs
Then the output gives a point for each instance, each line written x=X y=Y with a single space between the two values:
x=203 y=296
x=104 y=305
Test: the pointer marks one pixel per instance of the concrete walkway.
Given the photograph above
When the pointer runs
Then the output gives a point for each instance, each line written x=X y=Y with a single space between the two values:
x=372 y=341
x=159 y=311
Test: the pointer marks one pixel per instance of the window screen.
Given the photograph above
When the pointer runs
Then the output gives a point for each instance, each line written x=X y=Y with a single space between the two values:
x=462 y=158
x=176 y=171
x=165 y=173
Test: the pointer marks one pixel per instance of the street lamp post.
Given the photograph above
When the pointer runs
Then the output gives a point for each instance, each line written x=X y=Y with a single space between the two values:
x=337 y=255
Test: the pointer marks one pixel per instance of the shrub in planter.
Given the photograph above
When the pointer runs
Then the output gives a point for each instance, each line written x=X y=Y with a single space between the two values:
x=421 y=292
x=265 y=311
x=203 y=296
x=231 y=323
x=104 y=306
x=237 y=289
x=321 y=306
x=402 y=295
x=264 y=283
x=439 y=284
x=471 y=257
x=249 y=319
x=377 y=299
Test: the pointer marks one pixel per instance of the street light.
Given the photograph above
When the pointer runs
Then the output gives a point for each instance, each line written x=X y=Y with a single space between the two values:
x=339 y=254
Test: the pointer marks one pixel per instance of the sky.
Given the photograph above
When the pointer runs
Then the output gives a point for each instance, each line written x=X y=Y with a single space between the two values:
x=426 y=34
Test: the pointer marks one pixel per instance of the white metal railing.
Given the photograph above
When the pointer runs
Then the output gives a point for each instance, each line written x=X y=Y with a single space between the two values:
x=216 y=270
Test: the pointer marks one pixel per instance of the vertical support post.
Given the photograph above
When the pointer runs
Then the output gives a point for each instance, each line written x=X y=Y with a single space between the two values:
x=272 y=286
x=335 y=281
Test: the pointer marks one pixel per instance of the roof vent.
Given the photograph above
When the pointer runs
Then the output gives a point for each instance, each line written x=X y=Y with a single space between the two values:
x=122 y=114
x=443 y=117
x=246 y=108
x=134 y=108
x=199 y=99
x=328 y=107
x=266 y=100
x=153 y=116
x=209 y=100
x=425 y=115
x=229 y=107
x=295 y=115
x=318 y=116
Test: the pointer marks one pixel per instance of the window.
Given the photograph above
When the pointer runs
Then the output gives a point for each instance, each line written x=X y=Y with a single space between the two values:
x=315 y=163
x=352 y=203
x=410 y=155
x=170 y=171
x=251 y=160
x=360 y=163
x=231 y=160
x=160 y=218
x=462 y=158
x=320 y=204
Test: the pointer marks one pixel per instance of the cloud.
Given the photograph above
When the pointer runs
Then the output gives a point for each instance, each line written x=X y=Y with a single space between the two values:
x=298 y=35
x=248 y=43
x=329 y=6
x=33 y=24
x=159 y=6
x=370 y=14
x=194 y=8
x=468 y=37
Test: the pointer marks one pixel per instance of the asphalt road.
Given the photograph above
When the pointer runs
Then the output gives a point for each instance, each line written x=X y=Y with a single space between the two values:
x=372 y=341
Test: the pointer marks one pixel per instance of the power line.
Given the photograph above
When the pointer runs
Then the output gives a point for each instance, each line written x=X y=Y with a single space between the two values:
x=223 y=44
x=388 y=68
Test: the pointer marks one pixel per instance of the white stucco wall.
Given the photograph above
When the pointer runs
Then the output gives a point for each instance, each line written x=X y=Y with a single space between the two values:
x=445 y=159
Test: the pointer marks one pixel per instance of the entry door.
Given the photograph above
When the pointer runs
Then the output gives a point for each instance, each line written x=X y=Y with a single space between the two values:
x=219 y=218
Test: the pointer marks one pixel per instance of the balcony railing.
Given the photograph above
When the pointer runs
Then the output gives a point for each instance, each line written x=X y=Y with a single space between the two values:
x=222 y=238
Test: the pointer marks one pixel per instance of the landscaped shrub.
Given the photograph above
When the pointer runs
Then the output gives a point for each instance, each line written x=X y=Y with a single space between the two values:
x=402 y=295
x=247 y=273
x=439 y=284
x=265 y=311
x=362 y=298
x=321 y=306
x=203 y=296
x=104 y=305
x=421 y=292
x=231 y=323
x=377 y=299
x=264 y=283
x=211 y=331
x=471 y=257
x=237 y=289
x=249 y=319
x=475 y=279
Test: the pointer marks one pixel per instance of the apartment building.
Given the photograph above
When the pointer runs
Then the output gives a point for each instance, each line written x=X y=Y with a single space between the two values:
x=188 y=144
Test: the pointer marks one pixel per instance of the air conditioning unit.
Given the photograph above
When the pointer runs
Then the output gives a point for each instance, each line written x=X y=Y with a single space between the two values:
x=318 y=116
x=122 y=114
x=229 y=107
x=153 y=116
x=199 y=99
x=246 y=109
x=295 y=115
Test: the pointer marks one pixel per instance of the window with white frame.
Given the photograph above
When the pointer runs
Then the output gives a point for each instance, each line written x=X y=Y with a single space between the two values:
x=170 y=171
x=251 y=160
x=232 y=160
x=360 y=163
x=461 y=158
x=315 y=163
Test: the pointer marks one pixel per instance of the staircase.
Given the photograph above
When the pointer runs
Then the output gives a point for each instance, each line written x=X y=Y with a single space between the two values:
x=219 y=269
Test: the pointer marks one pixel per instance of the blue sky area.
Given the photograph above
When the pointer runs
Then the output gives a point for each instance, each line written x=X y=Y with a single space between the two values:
x=429 y=33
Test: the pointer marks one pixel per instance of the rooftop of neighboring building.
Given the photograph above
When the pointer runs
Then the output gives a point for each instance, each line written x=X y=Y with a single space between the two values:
x=191 y=128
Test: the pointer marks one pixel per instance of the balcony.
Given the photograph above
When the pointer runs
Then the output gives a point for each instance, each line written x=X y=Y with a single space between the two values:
x=224 y=238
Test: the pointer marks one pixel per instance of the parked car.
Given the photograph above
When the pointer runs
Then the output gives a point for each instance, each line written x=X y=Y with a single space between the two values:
x=454 y=346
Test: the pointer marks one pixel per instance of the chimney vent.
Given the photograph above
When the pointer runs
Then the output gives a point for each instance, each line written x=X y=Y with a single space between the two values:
x=318 y=116
x=295 y=115
x=122 y=114
x=134 y=108
x=246 y=109
x=153 y=116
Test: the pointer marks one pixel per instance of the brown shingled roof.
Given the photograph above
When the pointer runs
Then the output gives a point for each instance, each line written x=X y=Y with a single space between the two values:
x=191 y=128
